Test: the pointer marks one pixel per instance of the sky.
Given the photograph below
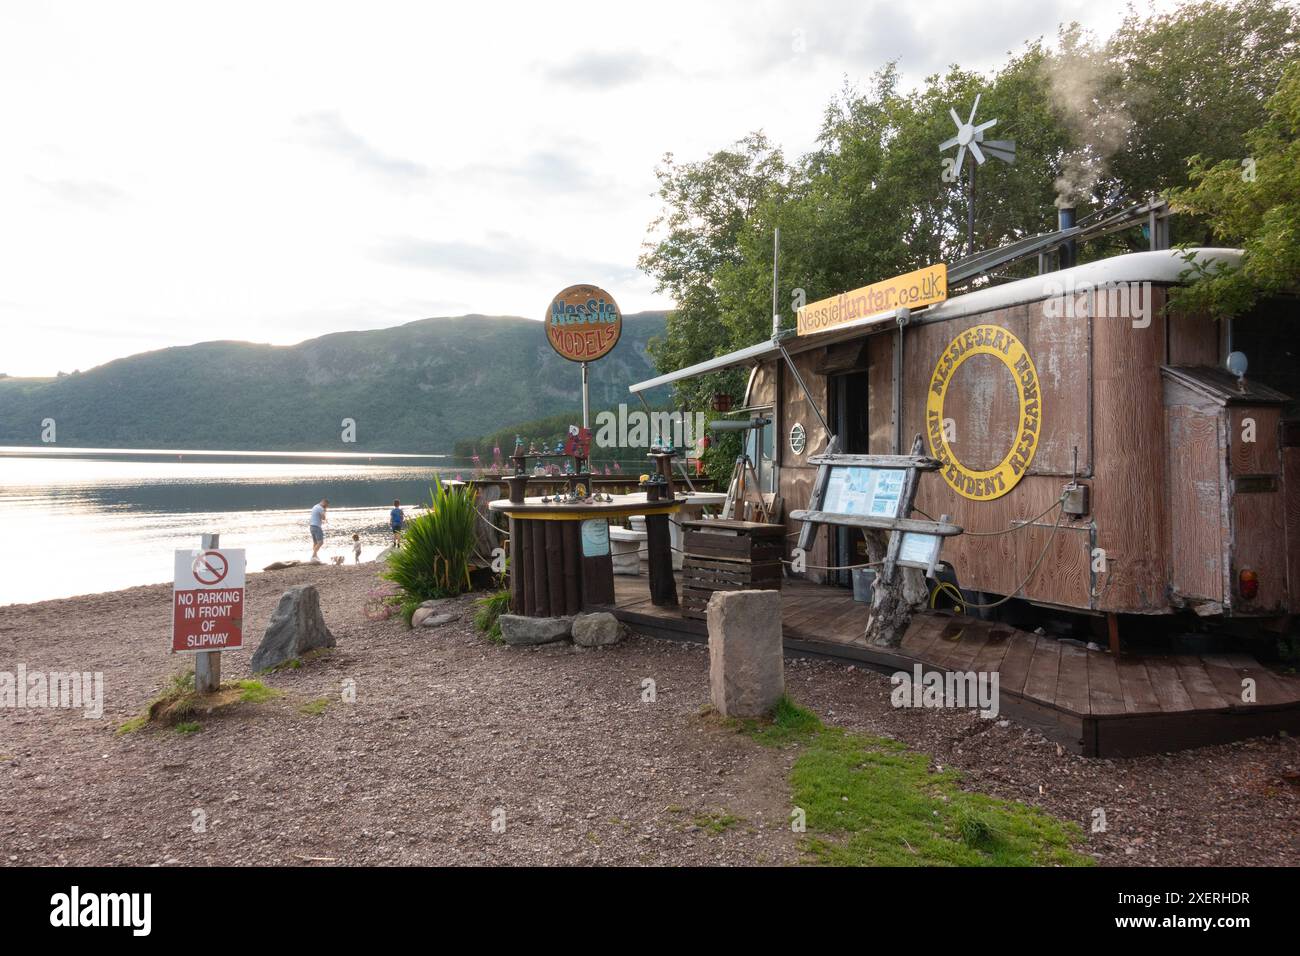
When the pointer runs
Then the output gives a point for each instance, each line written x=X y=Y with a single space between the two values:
x=180 y=172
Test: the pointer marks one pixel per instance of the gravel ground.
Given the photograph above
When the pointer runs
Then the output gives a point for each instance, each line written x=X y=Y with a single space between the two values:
x=449 y=733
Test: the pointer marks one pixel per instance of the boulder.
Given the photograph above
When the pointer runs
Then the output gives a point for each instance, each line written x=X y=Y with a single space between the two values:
x=746 y=655
x=296 y=627
x=436 y=620
x=597 y=630
x=521 y=631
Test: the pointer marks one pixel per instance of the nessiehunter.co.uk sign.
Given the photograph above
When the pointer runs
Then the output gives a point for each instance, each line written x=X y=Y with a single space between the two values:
x=208 y=600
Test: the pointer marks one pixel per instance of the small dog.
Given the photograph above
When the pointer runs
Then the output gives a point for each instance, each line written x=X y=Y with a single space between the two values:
x=337 y=559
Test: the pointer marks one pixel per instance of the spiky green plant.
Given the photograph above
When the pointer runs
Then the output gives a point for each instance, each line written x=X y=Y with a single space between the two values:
x=434 y=558
x=486 y=618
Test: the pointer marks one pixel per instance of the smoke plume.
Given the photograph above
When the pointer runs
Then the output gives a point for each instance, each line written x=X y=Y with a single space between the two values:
x=1084 y=88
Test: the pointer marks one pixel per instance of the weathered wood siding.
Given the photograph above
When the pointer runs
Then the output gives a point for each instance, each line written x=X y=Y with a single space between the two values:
x=796 y=475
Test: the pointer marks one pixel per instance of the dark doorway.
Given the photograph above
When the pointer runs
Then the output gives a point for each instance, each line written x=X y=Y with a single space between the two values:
x=847 y=394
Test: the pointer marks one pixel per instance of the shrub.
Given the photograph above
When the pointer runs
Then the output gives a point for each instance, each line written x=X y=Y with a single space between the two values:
x=433 y=561
x=490 y=609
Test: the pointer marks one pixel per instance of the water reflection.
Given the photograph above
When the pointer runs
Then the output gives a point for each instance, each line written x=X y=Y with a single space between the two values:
x=75 y=526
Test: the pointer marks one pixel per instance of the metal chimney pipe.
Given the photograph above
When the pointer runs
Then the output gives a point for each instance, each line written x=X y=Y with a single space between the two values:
x=1069 y=250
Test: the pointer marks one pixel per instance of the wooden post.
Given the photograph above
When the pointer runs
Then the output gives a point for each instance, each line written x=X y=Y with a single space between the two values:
x=554 y=566
x=207 y=664
x=518 y=604
x=537 y=560
x=1112 y=632
x=572 y=570
x=663 y=589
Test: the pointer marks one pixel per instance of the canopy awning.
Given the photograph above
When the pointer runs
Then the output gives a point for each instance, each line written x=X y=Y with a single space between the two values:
x=746 y=356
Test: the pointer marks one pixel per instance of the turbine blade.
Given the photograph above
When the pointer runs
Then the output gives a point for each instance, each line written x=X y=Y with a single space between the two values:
x=948 y=144
x=955 y=118
x=975 y=107
x=1007 y=156
x=1007 y=144
x=987 y=125
x=975 y=151
x=961 y=155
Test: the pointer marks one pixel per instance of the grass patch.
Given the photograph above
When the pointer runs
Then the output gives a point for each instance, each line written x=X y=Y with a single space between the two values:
x=314 y=708
x=716 y=822
x=177 y=704
x=254 y=692
x=870 y=801
x=132 y=724
x=487 y=617
x=188 y=727
x=788 y=724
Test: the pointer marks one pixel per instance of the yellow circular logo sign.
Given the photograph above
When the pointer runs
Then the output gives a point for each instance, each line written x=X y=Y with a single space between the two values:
x=998 y=342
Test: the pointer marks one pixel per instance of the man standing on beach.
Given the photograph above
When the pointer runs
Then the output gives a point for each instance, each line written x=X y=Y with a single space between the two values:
x=318 y=518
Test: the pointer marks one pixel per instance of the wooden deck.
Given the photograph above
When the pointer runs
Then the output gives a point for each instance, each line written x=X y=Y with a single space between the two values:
x=1087 y=700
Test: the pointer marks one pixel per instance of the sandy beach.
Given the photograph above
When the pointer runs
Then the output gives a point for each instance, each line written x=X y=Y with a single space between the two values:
x=448 y=729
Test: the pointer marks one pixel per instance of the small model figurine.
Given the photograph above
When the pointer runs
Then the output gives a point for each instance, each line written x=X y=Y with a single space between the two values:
x=519 y=445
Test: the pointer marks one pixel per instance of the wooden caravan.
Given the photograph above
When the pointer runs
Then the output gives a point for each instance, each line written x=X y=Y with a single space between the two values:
x=1183 y=483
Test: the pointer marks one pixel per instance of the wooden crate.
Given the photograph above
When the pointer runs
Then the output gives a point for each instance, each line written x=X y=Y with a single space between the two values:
x=728 y=556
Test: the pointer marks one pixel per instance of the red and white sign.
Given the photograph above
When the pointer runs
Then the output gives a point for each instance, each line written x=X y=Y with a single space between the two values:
x=208 y=600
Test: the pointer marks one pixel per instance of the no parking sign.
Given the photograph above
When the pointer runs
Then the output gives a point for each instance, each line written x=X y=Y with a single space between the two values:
x=208 y=600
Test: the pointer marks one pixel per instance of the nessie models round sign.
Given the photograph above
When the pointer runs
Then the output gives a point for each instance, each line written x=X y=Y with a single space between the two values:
x=976 y=484
x=583 y=323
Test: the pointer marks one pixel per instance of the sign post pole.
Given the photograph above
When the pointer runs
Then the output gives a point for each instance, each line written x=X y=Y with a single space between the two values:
x=586 y=398
x=207 y=664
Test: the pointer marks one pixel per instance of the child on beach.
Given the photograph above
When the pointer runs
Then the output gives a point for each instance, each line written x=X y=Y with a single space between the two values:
x=356 y=547
x=395 y=518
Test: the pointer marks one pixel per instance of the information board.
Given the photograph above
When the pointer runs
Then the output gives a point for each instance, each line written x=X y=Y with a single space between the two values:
x=858 y=490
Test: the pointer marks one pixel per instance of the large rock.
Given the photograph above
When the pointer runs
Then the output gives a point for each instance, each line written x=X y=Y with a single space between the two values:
x=597 y=630
x=519 y=630
x=296 y=627
x=746 y=660
x=432 y=614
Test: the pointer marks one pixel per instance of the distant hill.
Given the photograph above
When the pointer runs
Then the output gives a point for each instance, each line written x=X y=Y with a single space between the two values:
x=416 y=388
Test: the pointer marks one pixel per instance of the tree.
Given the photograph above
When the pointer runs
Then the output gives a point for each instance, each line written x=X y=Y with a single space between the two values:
x=1253 y=202
x=706 y=204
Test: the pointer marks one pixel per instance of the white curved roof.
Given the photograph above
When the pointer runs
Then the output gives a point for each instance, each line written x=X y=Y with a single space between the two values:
x=1165 y=266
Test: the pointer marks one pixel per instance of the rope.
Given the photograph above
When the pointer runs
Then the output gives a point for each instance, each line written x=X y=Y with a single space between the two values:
x=945 y=585
x=490 y=524
x=838 y=567
x=993 y=534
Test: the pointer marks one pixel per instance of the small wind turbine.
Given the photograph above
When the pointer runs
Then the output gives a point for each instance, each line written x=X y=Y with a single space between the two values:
x=971 y=137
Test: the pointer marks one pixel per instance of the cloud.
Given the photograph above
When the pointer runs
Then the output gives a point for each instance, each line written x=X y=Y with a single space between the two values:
x=501 y=256
x=606 y=71
x=539 y=173
x=328 y=131
x=90 y=193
